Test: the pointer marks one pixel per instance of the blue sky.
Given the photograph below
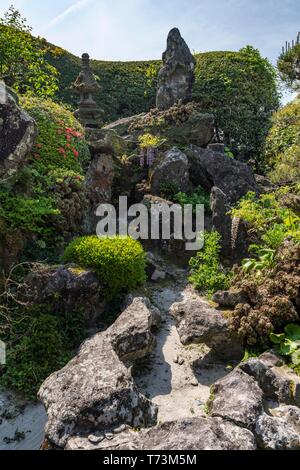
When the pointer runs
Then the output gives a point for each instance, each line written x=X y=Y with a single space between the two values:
x=137 y=29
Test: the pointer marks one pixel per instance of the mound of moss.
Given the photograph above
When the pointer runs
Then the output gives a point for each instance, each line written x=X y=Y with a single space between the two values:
x=118 y=261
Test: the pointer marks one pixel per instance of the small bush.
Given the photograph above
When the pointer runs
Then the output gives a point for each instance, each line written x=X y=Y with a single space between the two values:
x=206 y=274
x=199 y=196
x=118 y=261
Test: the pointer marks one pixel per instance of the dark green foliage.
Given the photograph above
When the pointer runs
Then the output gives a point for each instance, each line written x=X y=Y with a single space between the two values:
x=206 y=273
x=39 y=341
x=239 y=88
x=118 y=261
x=199 y=196
x=128 y=88
x=168 y=190
x=22 y=59
x=283 y=145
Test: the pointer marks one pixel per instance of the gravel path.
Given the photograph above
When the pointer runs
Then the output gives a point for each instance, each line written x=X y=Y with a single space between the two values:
x=170 y=378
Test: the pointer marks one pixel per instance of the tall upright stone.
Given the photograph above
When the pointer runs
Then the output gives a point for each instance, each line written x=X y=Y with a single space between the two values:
x=177 y=75
x=88 y=113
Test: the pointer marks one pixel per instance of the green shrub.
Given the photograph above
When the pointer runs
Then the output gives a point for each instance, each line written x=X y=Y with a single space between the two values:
x=268 y=218
x=118 y=261
x=283 y=145
x=60 y=141
x=199 y=196
x=239 y=88
x=22 y=59
x=206 y=273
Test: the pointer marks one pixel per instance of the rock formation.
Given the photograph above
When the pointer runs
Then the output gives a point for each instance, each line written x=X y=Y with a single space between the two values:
x=95 y=391
x=17 y=133
x=176 y=77
x=173 y=168
x=89 y=113
x=228 y=180
x=197 y=322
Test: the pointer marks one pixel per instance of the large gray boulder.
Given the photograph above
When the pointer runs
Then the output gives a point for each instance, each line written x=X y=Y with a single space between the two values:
x=237 y=398
x=177 y=75
x=208 y=169
x=95 y=390
x=17 y=133
x=65 y=288
x=172 y=168
x=198 y=130
x=235 y=240
x=186 y=434
x=197 y=322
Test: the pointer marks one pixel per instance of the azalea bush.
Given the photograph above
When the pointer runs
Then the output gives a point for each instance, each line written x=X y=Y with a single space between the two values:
x=45 y=201
x=118 y=261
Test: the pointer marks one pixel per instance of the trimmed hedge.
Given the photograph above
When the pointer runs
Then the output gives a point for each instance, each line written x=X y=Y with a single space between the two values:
x=118 y=261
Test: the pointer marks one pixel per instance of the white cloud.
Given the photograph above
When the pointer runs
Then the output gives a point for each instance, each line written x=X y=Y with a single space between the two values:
x=76 y=6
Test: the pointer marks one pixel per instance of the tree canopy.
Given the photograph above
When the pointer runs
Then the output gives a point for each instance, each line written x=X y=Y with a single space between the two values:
x=23 y=63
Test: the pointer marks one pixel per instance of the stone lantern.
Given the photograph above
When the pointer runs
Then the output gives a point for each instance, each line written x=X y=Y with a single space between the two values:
x=88 y=113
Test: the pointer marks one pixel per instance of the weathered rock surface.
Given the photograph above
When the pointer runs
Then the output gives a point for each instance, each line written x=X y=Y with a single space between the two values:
x=64 y=287
x=230 y=298
x=106 y=141
x=156 y=269
x=235 y=240
x=173 y=168
x=17 y=133
x=95 y=391
x=186 y=434
x=197 y=322
x=278 y=433
x=198 y=130
x=277 y=381
x=99 y=179
x=237 y=398
x=177 y=76
x=121 y=126
x=209 y=169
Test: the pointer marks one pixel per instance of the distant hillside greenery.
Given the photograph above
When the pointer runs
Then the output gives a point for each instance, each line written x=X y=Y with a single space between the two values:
x=238 y=87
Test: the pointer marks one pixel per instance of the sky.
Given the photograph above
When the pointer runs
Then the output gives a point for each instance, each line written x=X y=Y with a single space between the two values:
x=137 y=29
